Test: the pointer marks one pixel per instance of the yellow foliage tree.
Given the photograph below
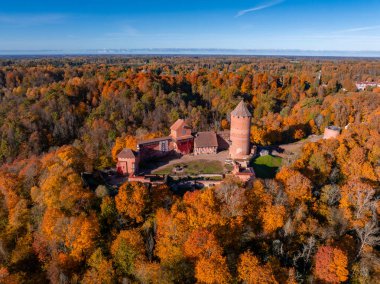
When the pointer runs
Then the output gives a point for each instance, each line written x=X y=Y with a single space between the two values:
x=127 y=249
x=202 y=208
x=251 y=272
x=101 y=270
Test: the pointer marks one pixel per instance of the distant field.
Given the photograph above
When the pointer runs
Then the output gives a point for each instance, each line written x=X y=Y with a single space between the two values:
x=266 y=166
x=194 y=168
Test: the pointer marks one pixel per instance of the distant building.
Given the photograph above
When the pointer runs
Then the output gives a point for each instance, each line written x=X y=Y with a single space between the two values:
x=240 y=132
x=331 y=132
x=205 y=143
x=361 y=86
x=127 y=162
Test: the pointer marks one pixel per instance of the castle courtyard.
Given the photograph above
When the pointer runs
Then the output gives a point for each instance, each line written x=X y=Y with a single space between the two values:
x=207 y=162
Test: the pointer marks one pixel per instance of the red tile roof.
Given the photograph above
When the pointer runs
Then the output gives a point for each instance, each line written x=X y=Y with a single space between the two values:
x=127 y=154
x=178 y=124
x=186 y=137
x=154 y=140
x=206 y=139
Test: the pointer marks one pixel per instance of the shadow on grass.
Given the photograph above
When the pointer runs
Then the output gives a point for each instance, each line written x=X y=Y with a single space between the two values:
x=264 y=171
x=266 y=166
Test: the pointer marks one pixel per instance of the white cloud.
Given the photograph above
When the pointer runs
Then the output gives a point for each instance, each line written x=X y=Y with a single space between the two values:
x=359 y=29
x=258 y=8
x=29 y=20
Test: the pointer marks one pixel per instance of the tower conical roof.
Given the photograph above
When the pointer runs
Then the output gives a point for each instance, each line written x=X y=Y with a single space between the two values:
x=241 y=110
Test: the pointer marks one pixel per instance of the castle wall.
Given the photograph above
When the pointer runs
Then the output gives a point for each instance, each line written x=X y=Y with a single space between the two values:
x=156 y=149
x=184 y=147
x=205 y=150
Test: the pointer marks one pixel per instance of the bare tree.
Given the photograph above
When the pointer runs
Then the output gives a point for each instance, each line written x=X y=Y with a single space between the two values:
x=232 y=196
x=368 y=235
x=333 y=194
x=288 y=228
x=3 y=253
x=307 y=251
x=278 y=247
x=363 y=201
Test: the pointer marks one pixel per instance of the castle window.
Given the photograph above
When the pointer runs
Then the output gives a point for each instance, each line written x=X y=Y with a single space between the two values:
x=164 y=146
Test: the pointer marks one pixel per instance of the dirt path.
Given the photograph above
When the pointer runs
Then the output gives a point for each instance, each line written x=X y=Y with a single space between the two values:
x=296 y=147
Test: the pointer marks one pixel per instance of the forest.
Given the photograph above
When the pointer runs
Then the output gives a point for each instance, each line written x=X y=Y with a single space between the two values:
x=315 y=222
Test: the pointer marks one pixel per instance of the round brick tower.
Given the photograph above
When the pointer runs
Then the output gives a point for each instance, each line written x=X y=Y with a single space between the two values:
x=240 y=132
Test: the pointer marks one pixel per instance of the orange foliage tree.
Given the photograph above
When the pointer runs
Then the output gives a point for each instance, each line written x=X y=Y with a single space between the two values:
x=297 y=186
x=81 y=235
x=202 y=242
x=202 y=208
x=131 y=201
x=272 y=217
x=172 y=231
x=250 y=271
x=331 y=264
x=212 y=270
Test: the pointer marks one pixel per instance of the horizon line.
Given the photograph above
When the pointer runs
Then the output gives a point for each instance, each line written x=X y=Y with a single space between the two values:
x=192 y=51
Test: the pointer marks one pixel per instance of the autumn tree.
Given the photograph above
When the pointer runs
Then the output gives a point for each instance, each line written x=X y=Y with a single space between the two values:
x=358 y=202
x=172 y=231
x=297 y=186
x=100 y=271
x=250 y=271
x=131 y=201
x=212 y=270
x=331 y=264
x=127 y=249
x=81 y=235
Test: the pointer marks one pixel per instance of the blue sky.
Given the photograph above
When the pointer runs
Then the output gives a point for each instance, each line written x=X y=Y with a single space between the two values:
x=240 y=24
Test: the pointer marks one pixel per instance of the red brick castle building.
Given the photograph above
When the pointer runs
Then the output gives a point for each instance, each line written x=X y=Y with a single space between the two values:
x=182 y=141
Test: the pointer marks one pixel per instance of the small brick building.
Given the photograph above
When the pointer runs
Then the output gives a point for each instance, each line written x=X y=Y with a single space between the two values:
x=205 y=143
x=128 y=162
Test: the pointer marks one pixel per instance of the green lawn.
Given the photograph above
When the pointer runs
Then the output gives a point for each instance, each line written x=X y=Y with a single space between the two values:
x=266 y=166
x=194 y=168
